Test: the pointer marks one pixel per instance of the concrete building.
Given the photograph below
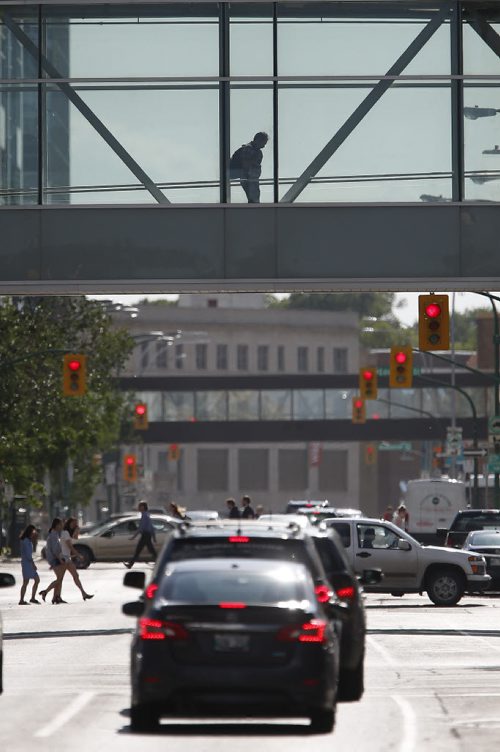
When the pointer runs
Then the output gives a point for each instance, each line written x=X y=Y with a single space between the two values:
x=238 y=335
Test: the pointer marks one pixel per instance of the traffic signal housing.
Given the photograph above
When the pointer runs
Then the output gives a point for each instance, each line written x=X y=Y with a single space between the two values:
x=141 y=417
x=74 y=375
x=370 y=454
x=368 y=383
x=130 y=468
x=401 y=368
x=433 y=322
x=358 y=410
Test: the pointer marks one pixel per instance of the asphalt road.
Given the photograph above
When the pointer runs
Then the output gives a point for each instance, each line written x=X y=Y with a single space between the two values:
x=432 y=680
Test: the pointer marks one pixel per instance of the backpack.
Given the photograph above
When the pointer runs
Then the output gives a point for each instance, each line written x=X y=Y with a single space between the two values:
x=236 y=161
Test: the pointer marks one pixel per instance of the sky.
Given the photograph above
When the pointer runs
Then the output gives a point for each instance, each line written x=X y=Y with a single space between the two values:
x=407 y=313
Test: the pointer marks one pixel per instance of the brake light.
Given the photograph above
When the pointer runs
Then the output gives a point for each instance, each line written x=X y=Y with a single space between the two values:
x=311 y=631
x=323 y=593
x=238 y=539
x=151 y=590
x=346 y=593
x=155 y=629
x=232 y=604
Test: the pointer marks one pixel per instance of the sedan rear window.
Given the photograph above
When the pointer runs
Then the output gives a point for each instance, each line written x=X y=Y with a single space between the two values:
x=282 y=585
x=478 y=522
x=266 y=548
x=485 y=539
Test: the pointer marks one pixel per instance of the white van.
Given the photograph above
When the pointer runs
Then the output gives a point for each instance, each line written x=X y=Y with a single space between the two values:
x=433 y=503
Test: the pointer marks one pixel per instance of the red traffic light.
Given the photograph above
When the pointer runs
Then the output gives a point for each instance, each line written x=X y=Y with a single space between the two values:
x=358 y=404
x=129 y=460
x=369 y=450
x=400 y=357
x=433 y=310
x=74 y=365
x=140 y=409
x=368 y=375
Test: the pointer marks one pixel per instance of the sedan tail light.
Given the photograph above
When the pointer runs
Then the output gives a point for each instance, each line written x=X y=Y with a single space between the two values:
x=323 y=593
x=346 y=593
x=311 y=631
x=156 y=629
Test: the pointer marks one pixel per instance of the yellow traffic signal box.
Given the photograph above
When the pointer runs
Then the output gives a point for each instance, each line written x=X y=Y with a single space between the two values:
x=141 y=422
x=368 y=383
x=74 y=375
x=174 y=452
x=401 y=368
x=358 y=410
x=370 y=454
x=433 y=322
x=130 y=468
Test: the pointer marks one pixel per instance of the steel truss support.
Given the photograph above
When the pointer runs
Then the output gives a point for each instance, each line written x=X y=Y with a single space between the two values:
x=84 y=109
x=485 y=31
x=366 y=105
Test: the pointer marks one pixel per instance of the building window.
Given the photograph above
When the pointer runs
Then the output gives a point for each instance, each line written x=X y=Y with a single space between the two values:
x=144 y=355
x=262 y=358
x=161 y=354
x=320 y=359
x=302 y=359
x=212 y=469
x=340 y=364
x=201 y=357
x=179 y=356
x=221 y=357
x=253 y=469
x=333 y=471
x=242 y=357
x=281 y=357
x=292 y=471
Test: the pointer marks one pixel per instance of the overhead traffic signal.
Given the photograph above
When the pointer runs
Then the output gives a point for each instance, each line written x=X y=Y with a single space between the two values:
x=74 y=375
x=368 y=383
x=401 y=368
x=174 y=452
x=130 y=468
x=141 y=417
x=358 y=410
x=370 y=454
x=433 y=322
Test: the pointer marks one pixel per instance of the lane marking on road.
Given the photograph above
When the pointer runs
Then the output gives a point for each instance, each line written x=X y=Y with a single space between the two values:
x=409 y=740
x=482 y=638
x=67 y=633
x=65 y=715
x=383 y=652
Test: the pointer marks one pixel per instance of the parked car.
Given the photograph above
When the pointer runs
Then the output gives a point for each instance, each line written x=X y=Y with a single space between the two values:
x=319 y=514
x=285 y=519
x=320 y=551
x=201 y=514
x=111 y=541
x=233 y=636
x=6 y=580
x=487 y=543
x=295 y=504
x=408 y=567
x=465 y=522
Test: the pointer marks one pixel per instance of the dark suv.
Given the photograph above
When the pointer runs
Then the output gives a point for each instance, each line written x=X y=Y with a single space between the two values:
x=322 y=553
x=465 y=522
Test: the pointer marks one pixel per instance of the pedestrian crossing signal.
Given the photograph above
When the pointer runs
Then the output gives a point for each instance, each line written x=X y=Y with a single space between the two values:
x=130 y=468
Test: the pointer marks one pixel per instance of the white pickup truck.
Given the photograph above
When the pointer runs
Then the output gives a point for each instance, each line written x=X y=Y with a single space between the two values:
x=445 y=574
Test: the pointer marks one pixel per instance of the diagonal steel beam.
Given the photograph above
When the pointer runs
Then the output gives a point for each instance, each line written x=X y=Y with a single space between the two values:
x=85 y=110
x=485 y=31
x=364 y=108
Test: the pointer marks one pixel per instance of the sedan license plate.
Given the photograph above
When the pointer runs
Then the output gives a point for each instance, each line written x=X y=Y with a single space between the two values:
x=231 y=643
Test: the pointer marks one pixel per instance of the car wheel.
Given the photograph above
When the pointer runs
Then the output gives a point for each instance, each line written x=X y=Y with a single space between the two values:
x=322 y=721
x=143 y=718
x=445 y=587
x=86 y=559
x=351 y=683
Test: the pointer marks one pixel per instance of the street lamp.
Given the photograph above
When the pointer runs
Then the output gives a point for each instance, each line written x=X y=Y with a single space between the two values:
x=496 y=150
x=474 y=113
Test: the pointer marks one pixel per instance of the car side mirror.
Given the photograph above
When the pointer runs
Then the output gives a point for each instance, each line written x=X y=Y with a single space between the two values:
x=135 y=580
x=134 y=608
x=6 y=579
x=404 y=545
x=371 y=576
x=441 y=533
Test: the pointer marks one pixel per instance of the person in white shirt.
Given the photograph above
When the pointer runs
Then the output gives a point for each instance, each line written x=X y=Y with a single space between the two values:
x=401 y=517
x=68 y=551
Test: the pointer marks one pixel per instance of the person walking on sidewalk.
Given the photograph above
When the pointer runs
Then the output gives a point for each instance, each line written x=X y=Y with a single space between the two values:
x=28 y=566
x=54 y=555
x=147 y=533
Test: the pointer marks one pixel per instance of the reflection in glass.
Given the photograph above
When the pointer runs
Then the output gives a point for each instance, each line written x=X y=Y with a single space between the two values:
x=211 y=405
x=338 y=403
x=308 y=404
x=243 y=405
x=18 y=145
x=179 y=406
x=276 y=404
x=481 y=141
x=171 y=133
x=16 y=61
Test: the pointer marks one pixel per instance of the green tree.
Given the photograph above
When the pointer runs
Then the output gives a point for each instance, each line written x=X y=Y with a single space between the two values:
x=40 y=429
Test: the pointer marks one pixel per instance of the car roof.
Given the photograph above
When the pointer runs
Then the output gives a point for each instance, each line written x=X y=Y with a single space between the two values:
x=228 y=564
x=469 y=512
x=223 y=528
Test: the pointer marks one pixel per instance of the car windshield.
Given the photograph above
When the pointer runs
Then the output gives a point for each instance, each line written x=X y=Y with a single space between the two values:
x=485 y=539
x=478 y=522
x=281 y=586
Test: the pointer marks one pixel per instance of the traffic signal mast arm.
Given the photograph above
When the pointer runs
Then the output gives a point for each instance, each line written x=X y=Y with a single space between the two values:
x=490 y=376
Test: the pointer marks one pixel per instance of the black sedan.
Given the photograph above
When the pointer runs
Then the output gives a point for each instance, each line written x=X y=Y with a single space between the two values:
x=234 y=637
x=487 y=543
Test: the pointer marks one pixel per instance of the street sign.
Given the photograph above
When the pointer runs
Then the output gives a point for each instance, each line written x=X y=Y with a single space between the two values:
x=402 y=446
x=494 y=463
x=494 y=425
x=475 y=452
x=454 y=443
